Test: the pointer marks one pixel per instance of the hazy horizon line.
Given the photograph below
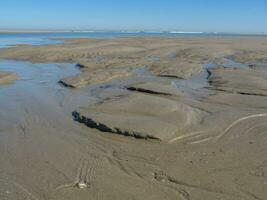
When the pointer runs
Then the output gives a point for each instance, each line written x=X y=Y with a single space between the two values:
x=178 y=31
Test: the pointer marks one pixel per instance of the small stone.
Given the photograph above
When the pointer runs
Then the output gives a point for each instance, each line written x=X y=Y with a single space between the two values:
x=82 y=185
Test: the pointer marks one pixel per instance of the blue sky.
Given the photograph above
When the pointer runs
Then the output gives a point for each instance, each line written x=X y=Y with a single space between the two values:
x=238 y=16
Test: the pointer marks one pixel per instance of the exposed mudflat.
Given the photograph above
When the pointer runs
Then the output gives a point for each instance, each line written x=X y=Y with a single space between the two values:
x=140 y=118
x=7 y=77
x=94 y=77
x=155 y=88
x=242 y=81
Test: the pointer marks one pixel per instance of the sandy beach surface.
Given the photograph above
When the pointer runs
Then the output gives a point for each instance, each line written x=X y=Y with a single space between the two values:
x=135 y=118
x=7 y=77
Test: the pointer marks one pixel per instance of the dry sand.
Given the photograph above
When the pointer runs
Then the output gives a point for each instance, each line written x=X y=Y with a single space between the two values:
x=191 y=134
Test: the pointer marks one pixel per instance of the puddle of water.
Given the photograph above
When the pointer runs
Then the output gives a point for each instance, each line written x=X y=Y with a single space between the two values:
x=153 y=58
x=38 y=84
x=259 y=66
x=200 y=81
x=230 y=63
x=196 y=82
x=12 y=40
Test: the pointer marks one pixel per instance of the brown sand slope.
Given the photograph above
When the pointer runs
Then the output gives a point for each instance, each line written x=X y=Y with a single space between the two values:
x=155 y=88
x=7 y=77
x=93 y=77
x=141 y=116
x=243 y=81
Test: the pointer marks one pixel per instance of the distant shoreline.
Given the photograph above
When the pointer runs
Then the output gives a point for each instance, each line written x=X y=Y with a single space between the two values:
x=130 y=32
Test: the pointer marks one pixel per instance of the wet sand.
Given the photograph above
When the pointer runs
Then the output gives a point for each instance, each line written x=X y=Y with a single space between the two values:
x=7 y=77
x=168 y=119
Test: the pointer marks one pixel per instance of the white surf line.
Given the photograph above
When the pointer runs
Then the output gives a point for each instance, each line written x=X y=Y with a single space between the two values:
x=238 y=121
x=185 y=136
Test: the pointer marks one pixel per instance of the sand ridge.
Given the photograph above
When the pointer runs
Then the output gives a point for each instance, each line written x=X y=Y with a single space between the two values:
x=7 y=77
